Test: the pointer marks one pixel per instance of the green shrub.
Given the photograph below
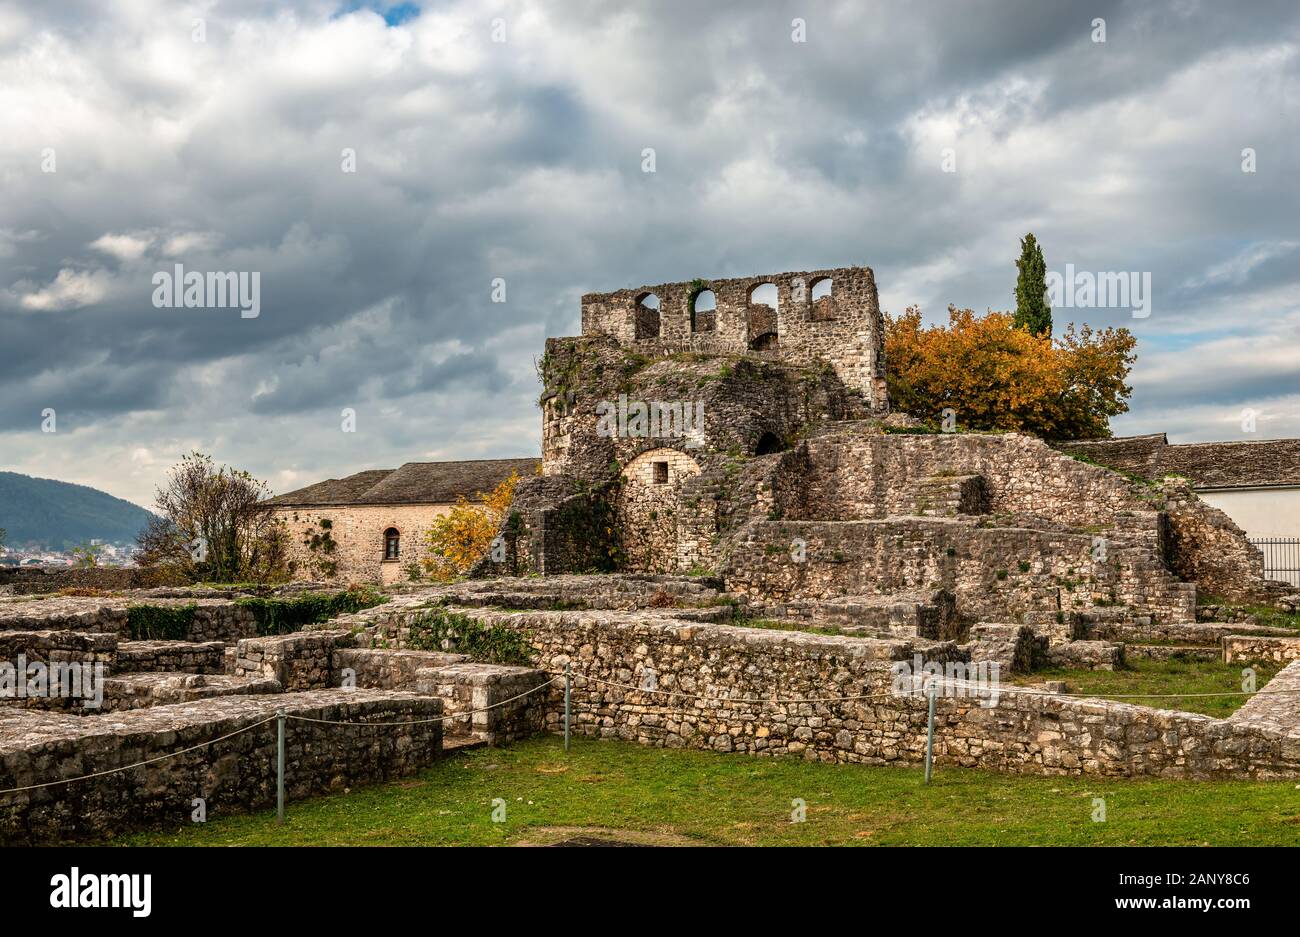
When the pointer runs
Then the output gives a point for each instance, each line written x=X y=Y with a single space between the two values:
x=441 y=630
x=160 y=622
x=285 y=616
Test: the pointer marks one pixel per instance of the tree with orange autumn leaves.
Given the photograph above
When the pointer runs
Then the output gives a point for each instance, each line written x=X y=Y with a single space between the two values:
x=996 y=376
x=460 y=538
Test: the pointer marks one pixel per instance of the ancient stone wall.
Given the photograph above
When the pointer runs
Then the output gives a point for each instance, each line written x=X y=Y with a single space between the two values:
x=845 y=328
x=300 y=661
x=320 y=659
x=1240 y=648
x=233 y=775
x=53 y=647
x=853 y=475
x=996 y=573
x=727 y=678
x=174 y=656
x=649 y=509
x=27 y=580
x=1206 y=546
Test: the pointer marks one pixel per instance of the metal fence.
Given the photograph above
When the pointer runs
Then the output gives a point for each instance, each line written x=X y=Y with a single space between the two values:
x=1281 y=557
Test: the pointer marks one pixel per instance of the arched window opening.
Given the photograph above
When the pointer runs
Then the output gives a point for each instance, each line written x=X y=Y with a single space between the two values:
x=647 y=316
x=392 y=543
x=769 y=443
x=763 y=295
x=760 y=318
x=823 y=300
x=704 y=311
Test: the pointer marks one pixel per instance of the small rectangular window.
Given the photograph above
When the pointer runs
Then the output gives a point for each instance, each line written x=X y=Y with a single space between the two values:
x=661 y=473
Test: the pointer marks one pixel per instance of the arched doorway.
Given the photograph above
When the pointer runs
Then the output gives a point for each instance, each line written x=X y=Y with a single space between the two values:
x=649 y=505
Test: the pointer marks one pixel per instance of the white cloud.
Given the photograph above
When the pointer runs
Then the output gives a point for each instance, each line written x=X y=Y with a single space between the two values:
x=123 y=246
x=71 y=289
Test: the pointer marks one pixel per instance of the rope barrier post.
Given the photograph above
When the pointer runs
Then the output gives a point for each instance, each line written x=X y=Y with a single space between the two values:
x=568 y=686
x=279 y=766
x=929 y=737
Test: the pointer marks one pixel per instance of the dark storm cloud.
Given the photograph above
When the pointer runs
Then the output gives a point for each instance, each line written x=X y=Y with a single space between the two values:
x=522 y=161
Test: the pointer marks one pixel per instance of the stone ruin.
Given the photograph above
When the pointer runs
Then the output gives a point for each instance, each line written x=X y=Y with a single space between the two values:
x=733 y=546
x=212 y=694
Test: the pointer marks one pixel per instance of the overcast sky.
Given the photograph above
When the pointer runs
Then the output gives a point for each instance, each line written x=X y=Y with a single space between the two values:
x=220 y=146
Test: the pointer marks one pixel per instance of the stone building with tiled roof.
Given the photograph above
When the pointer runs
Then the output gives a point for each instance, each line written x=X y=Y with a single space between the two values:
x=1255 y=482
x=370 y=526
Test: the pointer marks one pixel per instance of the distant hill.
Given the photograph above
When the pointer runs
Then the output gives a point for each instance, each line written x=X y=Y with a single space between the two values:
x=58 y=515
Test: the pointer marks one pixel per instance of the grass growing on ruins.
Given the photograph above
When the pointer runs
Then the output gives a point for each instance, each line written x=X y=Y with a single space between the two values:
x=622 y=790
x=1164 y=677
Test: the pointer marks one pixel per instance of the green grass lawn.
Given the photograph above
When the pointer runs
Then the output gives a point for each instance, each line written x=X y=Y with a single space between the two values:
x=628 y=791
x=1163 y=677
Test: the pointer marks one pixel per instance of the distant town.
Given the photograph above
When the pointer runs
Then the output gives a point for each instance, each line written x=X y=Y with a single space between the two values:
x=92 y=553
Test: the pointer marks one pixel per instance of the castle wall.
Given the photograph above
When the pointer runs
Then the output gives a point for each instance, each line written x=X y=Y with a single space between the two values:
x=844 y=329
x=855 y=476
x=996 y=573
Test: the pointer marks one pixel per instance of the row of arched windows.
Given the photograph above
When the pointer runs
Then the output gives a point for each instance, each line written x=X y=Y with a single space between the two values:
x=704 y=306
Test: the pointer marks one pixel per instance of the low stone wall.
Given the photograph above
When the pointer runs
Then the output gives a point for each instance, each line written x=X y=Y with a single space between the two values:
x=315 y=659
x=51 y=647
x=65 y=613
x=1238 y=648
x=729 y=677
x=232 y=775
x=1276 y=707
x=214 y=619
x=172 y=656
x=464 y=687
x=1182 y=632
x=386 y=669
x=1015 y=648
x=1087 y=655
x=300 y=661
x=221 y=621
x=470 y=689
x=29 y=581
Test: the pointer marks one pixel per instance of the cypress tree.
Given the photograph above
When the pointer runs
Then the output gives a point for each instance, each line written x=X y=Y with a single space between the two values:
x=1032 y=311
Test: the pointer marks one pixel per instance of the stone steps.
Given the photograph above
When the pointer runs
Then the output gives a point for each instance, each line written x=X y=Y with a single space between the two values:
x=946 y=496
x=170 y=656
x=930 y=615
